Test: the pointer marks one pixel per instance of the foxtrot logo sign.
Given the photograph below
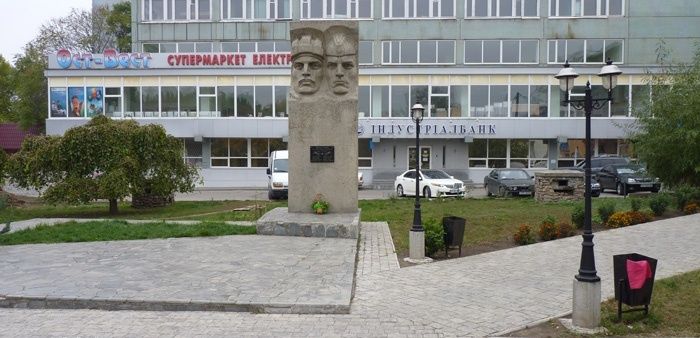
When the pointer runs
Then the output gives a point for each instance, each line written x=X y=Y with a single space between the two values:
x=440 y=129
x=111 y=59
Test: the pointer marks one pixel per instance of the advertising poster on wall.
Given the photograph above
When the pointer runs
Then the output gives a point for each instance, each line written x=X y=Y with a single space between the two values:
x=76 y=101
x=95 y=105
x=58 y=102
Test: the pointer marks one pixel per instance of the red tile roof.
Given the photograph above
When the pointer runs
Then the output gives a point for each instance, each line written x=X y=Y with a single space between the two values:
x=11 y=136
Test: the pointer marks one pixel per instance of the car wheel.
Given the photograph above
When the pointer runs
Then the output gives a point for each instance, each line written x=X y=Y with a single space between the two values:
x=270 y=195
x=595 y=194
x=621 y=189
x=399 y=191
x=426 y=192
x=488 y=192
x=501 y=192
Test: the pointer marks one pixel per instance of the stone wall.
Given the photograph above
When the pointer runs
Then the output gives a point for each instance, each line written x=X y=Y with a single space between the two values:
x=559 y=185
x=151 y=201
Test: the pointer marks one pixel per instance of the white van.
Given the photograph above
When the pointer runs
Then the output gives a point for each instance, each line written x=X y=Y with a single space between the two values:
x=277 y=174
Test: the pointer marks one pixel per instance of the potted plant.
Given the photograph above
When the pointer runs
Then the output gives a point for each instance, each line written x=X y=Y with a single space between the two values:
x=319 y=205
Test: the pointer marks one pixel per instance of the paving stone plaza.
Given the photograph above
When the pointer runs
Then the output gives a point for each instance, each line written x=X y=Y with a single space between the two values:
x=482 y=295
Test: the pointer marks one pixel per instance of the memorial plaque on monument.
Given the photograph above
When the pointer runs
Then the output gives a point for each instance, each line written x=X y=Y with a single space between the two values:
x=322 y=154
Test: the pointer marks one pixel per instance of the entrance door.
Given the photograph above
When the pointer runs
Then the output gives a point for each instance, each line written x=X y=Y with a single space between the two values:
x=424 y=158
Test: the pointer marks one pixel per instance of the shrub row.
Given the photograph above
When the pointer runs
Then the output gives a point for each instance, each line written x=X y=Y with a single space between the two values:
x=549 y=230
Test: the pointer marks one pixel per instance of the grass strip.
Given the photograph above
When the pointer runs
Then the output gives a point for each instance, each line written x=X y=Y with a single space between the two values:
x=118 y=230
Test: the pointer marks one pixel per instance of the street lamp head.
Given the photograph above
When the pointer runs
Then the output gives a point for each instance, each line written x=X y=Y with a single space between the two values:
x=417 y=112
x=566 y=77
x=609 y=74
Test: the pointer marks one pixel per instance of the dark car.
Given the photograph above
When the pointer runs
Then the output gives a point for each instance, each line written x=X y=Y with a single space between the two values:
x=595 y=188
x=597 y=163
x=627 y=178
x=505 y=182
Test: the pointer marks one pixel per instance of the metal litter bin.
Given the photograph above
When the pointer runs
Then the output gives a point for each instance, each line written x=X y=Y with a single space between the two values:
x=454 y=232
x=623 y=292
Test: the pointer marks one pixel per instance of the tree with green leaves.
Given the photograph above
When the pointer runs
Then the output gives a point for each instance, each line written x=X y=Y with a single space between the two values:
x=667 y=134
x=119 y=24
x=30 y=87
x=104 y=159
x=3 y=164
x=7 y=91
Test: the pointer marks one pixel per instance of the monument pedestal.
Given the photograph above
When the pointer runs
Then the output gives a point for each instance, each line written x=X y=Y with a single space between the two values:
x=416 y=243
x=282 y=222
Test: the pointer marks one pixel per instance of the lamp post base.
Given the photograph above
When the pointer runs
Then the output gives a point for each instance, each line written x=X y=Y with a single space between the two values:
x=416 y=247
x=586 y=307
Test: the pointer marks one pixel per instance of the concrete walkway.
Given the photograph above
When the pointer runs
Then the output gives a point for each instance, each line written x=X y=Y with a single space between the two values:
x=482 y=295
x=34 y=222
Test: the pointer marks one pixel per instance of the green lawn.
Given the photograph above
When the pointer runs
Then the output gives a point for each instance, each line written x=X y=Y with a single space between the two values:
x=118 y=230
x=489 y=220
x=674 y=310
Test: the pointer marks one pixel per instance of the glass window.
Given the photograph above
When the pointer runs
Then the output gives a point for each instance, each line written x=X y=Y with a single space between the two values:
x=619 y=106
x=219 y=152
x=227 y=101
x=477 y=153
x=439 y=101
x=263 y=101
x=132 y=100
x=607 y=147
x=204 y=12
x=613 y=50
x=246 y=47
x=364 y=153
x=207 y=101
x=446 y=51
x=519 y=101
x=511 y=51
x=498 y=148
x=539 y=152
x=168 y=101
x=113 y=102
x=229 y=47
x=640 y=98
x=259 y=152
x=530 y=8
x=599 y=91
x=150 y=101
x=428 y=52
x=472 y=51
x=505 y=8
x=185 y=47
x=399 y=101
x=615 y=7
x=528 y=51
x=281 y=100
x=538 y=101
x=409 y=51
x=594 y=50
x=590 y=7
x=193 y=152
x=479 y=101
x=499 y=101
x=266 y=46
x=238 y=152
x=459 y=101
x=492 y=51
x=418 y=94
x=574 y=50
x=203 y=47
x=380 y=101
x=188 y=101
x=245 y=101
x=151 y=48
x=518 y=154
x=363 y=101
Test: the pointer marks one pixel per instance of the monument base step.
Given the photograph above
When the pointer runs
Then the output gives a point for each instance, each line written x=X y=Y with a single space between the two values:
x=281 y=222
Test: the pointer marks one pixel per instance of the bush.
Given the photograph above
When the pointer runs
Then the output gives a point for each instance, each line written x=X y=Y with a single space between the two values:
x=691 y=208
x=548 y=229
x=434 y=236
x=4 y=202
x=658 y=204
x=577 y=216
x=605 y=210
x=635 y=203
x=685 y=194
x=638 y=217
x=619 y=219
x=523 y=236
x=565 y=229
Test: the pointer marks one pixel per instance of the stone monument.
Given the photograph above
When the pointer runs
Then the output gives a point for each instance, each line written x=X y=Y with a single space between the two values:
x=323 y=116
x=322 y=109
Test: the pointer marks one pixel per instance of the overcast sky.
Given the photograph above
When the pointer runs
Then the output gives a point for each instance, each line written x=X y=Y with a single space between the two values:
x=20 y=20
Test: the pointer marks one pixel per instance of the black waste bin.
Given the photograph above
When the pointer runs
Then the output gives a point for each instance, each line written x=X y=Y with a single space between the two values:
x=454 y=232
x=623 y=292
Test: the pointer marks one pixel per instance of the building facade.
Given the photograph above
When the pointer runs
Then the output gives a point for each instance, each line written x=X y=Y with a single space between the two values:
x=216 y=73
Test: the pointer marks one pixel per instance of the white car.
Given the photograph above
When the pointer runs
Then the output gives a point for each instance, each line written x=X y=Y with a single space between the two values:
x=432 y=183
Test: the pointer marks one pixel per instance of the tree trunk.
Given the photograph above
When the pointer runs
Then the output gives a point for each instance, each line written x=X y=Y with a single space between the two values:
x=113 y=207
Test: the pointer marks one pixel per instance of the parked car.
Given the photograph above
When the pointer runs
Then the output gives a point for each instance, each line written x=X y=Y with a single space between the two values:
x=626 y=178
x=360 y=179
x=432 y=183
x=277 y=175
x=504 y=182
x=599 y=162
x=595 y=188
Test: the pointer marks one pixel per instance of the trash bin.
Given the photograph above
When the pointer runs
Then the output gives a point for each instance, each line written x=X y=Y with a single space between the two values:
x=633 y=290
x=454 y=232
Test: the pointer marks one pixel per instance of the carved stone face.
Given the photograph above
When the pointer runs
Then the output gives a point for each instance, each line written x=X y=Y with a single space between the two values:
x=341 y=73
x=307 y=73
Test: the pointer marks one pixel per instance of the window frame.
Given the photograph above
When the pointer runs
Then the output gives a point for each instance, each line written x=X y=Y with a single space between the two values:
x=500 y=46
x=493 y=6
x=411 y=5
x=169 y=11
x=556 y=42
x=555 y=4
x=325 y=10
x=270 y=15
x=391 y=43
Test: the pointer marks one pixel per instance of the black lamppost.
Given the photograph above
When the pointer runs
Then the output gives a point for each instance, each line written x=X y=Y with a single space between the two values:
x=416 y=240
x=587 y=272
x=417 y=116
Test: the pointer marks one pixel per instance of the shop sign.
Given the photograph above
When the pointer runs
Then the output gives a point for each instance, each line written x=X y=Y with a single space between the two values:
x=111 y=59
x=439 y=129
